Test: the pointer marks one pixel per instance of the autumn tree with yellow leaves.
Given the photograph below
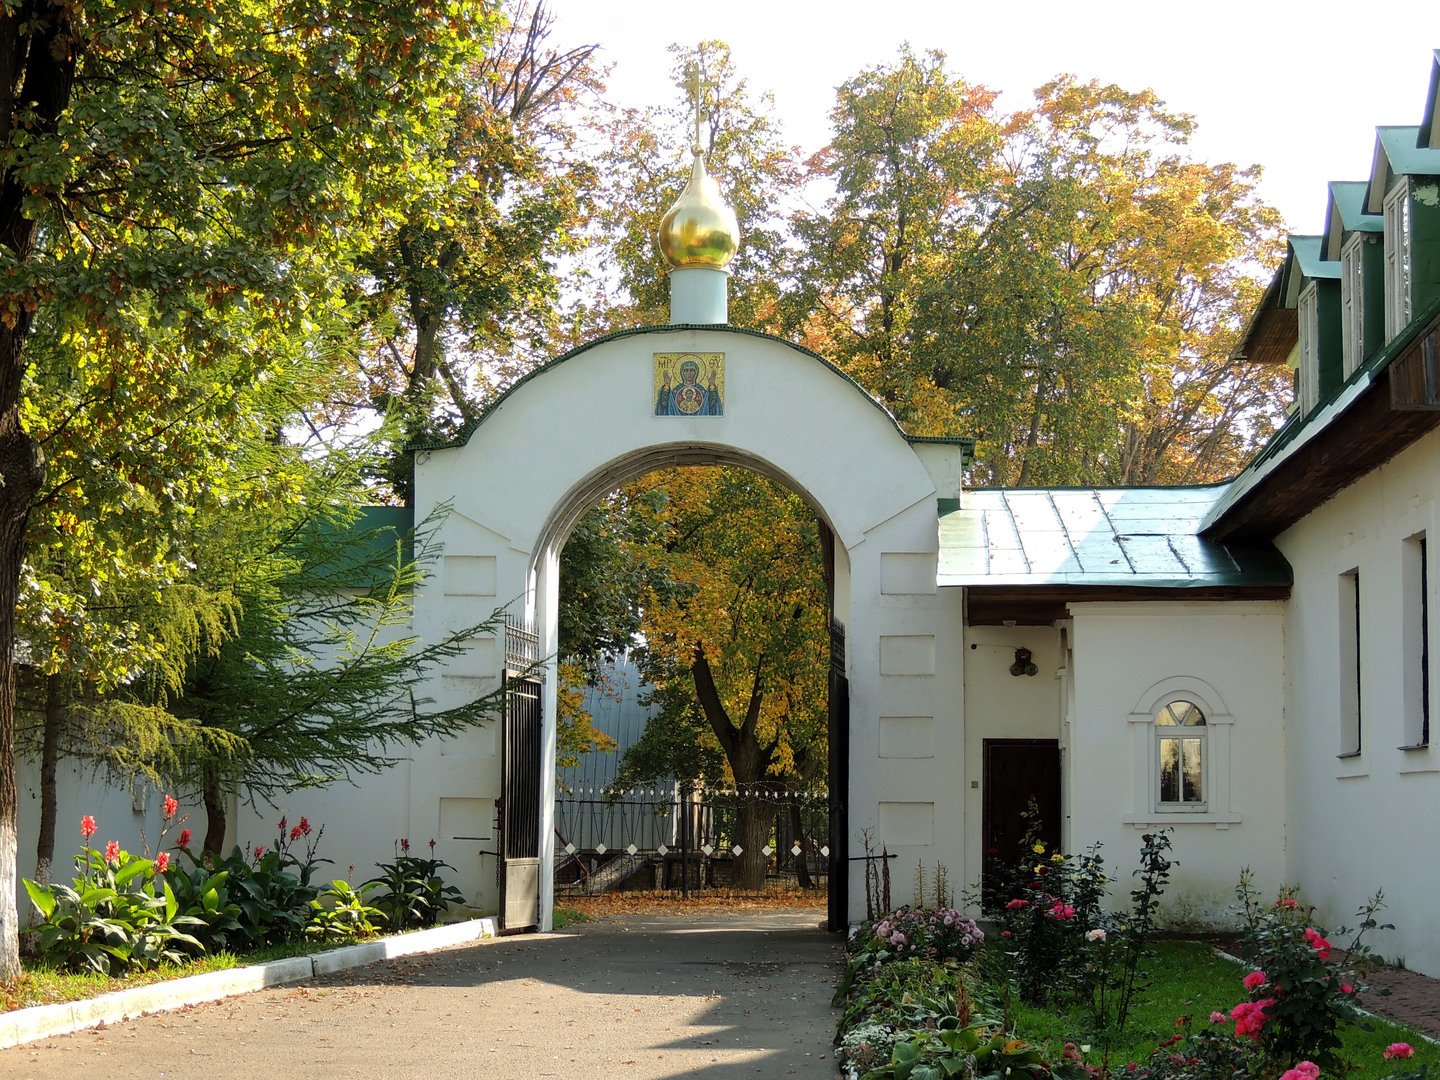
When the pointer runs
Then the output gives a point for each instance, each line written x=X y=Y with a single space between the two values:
x=735 y=634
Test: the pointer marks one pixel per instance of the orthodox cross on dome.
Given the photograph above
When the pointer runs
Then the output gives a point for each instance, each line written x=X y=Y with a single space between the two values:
x=696 y=148
x=700 y=230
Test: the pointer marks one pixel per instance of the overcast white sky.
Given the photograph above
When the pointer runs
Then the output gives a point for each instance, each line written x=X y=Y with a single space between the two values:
x=1297 y=87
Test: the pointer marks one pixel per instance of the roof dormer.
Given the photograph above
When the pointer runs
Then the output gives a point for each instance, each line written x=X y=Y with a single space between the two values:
x=1397 y=154
x=1356 y=240
x=1310 y=283
x=1346 y=214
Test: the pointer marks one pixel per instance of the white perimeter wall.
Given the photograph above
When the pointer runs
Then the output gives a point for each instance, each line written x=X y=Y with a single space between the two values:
x=1126 y=660
x=1368 y=822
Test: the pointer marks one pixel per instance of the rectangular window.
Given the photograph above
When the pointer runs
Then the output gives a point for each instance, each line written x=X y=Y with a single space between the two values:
x=1309 y=319
x=1397 y=259
x=1352 y=301
x=1350 y=732
x=1415 y=599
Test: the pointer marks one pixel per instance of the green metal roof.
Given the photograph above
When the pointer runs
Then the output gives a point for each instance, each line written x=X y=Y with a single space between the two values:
x=1432 y=102
x=1305 y=250
x=1405 y=154
x=1137 y=537
x=1398 y=152
x=1346 y=214
x=1299 y=430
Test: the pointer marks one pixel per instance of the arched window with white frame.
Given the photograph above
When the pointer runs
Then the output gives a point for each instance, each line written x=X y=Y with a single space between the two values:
x=1180 y=730
x=1180 y=753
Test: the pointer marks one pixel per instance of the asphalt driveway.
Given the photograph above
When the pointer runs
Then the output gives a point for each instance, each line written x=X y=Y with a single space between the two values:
x=642 y=997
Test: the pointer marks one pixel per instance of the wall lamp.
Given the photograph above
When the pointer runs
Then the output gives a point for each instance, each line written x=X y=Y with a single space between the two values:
x=1023 y=665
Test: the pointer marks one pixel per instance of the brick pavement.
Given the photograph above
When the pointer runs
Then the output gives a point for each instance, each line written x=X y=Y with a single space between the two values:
x=1414 y=999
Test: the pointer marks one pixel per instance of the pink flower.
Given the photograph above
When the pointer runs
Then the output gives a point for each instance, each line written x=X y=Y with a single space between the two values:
x=1318 y=943
x=1346 y=988
x=1061 y=910
x=1306 y=1070
x=1254 y=979
x=170 y=806
x=184 y=840
x=295 y=833
x=1398 y=1050
x=304 y=826
x=1005 y=933
x=112 y=851
x=1249 y=1017
x=87 y=827
x=259 y=850
x=1217 y=1018
x=1013 y=905
x=162 y=862
x=1287 y=902
x=405 y=846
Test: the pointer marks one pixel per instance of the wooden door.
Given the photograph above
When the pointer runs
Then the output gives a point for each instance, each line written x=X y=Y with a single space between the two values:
x=1018 y=773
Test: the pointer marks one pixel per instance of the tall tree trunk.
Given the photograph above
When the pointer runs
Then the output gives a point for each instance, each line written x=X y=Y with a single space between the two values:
x=214 y=814
x=37 y=54
x=749 y=760
x=19 y=465
x=49 y=760
x=754 y=818
x=1033 y=439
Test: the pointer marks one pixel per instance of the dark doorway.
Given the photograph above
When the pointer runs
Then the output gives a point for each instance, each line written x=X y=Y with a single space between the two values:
x=519 y=807
x=1018 y=773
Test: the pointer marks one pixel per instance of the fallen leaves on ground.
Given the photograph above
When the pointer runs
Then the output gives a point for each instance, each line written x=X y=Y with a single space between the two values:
x=669 y=903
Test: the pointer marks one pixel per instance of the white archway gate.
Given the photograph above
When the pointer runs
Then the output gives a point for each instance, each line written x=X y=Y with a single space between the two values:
x=586 y=423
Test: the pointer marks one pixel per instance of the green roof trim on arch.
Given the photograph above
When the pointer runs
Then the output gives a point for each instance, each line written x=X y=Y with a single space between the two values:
x=462 y=437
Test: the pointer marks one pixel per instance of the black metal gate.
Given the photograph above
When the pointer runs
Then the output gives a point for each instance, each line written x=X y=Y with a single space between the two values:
x=519 y=809
x=837 y=908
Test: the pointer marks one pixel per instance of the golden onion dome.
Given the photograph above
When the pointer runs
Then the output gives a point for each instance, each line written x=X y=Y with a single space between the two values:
x=700 y=230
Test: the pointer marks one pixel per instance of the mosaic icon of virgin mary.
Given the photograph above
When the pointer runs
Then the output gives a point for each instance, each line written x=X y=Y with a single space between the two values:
x=689 y=396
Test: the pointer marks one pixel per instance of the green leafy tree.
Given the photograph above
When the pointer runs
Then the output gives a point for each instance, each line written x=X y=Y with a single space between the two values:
x=463 y=295
x=1063 y=282
x=321 y=679
x=736 y=645
x=171 y=171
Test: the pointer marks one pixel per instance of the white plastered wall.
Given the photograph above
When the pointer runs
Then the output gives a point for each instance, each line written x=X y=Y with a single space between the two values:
x=1367 y=822
x=1127 y=659
x=561 y=440
x=999 y=705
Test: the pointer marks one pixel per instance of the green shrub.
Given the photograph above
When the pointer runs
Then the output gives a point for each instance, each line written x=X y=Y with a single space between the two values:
x=410 y=890
x=119 y=913
x=342 y=913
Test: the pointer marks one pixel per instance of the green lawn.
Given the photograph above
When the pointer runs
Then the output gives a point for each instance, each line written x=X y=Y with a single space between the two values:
x=1187 y=978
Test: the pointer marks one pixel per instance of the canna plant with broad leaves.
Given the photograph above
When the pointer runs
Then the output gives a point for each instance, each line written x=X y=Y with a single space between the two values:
x=411 y=891
x=118 y=914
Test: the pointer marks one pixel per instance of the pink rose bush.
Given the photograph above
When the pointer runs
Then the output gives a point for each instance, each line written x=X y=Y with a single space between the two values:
x=1303 y=988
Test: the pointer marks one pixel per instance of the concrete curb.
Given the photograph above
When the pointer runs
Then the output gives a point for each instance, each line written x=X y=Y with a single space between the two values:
x=41 y=1021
